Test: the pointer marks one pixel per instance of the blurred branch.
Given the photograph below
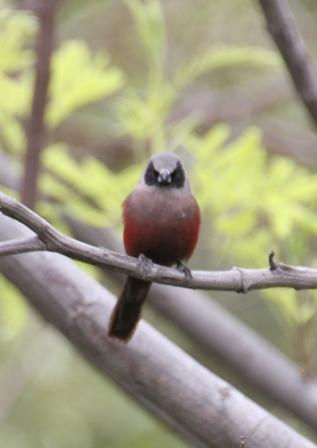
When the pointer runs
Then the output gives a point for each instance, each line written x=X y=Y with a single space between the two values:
x=36 y=125
x=214 y=329
x=282 y=26
x=205 y=410
x=236 y=279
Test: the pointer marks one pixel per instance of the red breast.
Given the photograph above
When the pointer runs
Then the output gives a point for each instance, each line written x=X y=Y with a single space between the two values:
x=161 y=222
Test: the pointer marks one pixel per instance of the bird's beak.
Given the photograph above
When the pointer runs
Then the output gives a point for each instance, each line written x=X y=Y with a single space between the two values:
x=164 y=177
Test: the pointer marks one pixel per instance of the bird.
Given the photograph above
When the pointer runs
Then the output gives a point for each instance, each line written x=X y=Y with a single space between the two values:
x=161 y=221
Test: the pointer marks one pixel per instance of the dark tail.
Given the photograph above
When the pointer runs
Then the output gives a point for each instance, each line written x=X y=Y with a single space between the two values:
x=127 y=312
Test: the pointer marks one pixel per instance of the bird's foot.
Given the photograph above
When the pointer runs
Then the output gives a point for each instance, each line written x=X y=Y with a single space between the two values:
x=184 y=269
x=145 y=264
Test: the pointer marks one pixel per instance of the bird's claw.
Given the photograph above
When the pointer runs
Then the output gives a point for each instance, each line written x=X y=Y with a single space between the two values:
x=184 y=269
x=145 y=264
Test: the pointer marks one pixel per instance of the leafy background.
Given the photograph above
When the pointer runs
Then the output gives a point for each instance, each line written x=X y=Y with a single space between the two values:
x=121 y=73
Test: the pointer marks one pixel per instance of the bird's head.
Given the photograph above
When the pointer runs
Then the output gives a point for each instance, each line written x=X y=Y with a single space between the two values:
x=165 y=170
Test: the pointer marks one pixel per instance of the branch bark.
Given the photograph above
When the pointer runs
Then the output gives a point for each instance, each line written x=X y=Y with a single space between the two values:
x=236 y=279
x=36 y=126
x=204 y=409
x=282 y=26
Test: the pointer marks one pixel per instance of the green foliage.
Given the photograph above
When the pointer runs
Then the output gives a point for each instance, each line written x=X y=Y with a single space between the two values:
x=87 y=188
x=274 y=196
x=78 y=79
x=144 y=117
x=255 y=204
x=16 y=30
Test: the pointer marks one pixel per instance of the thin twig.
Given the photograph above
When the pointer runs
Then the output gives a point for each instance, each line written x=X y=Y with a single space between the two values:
x=282 y=26
x=36 y=126
x=237 y=279
x=20 y=246
x=272 y=263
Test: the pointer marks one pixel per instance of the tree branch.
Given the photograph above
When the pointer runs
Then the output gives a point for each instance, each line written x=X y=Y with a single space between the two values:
x=236 y=279
x=282 y=26
x=36 y=127
x=214 y=328
x=20 y=246
x=204 y=409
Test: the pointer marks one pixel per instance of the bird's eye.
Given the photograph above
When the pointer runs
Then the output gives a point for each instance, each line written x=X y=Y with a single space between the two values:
x=151 y=175
x=178 y=176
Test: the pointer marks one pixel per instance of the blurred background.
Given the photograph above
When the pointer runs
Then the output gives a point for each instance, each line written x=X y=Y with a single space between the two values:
x=130 y=78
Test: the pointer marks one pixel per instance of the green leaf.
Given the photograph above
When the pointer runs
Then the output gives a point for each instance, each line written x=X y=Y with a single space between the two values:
x=15 y=96
x=236 y=224
x=16 y=30
x=87 y=188
x=144 y=118
x=79 y=79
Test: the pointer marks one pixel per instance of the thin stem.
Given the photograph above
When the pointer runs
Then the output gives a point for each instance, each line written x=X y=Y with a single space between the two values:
x=36 y=130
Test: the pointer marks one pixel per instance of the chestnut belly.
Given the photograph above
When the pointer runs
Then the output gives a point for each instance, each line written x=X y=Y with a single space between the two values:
x=164 y=244
x=161 y=225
